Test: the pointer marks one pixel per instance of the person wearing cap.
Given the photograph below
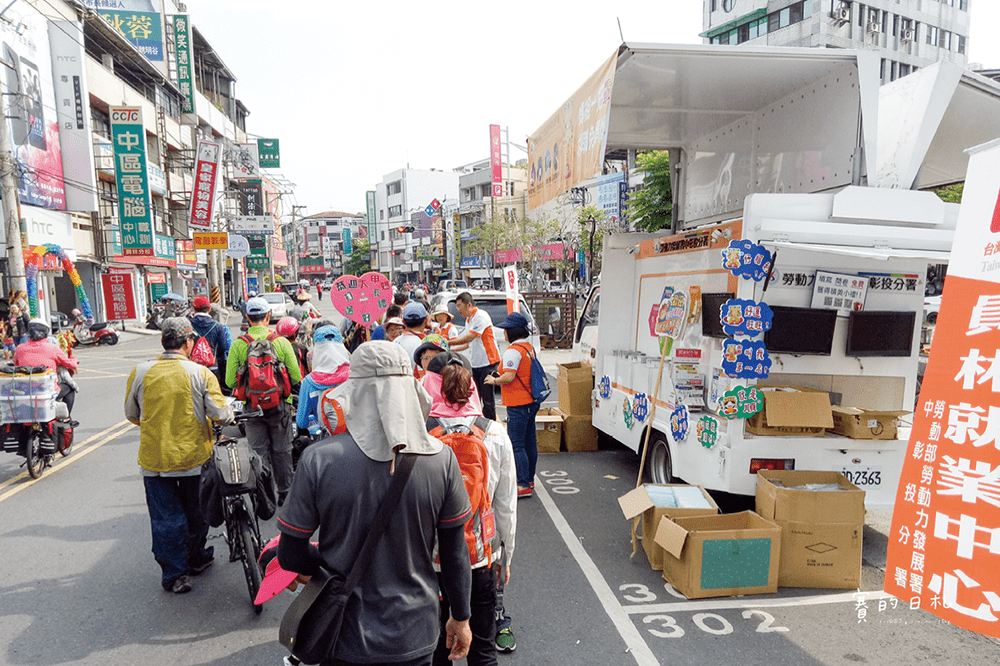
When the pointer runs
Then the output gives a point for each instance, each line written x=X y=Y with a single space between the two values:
x=218 y=336
x=483 y=351
x=269 y=435
x=39 y=351
x=174 y=402
x=394 y=327
x=515 y=390
x=432 y=345
x=331 y=366
x=456 y=403
x=414 y=319
x=393 y=614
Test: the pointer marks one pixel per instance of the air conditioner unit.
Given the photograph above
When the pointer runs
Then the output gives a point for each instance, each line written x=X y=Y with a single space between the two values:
x=874 y=28
x=906 y=35
x=842 y=14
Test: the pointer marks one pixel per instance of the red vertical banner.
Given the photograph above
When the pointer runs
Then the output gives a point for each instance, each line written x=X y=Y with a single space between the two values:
x=496 y=161
x=206 y=169
x=944 y=547
x=119 y=296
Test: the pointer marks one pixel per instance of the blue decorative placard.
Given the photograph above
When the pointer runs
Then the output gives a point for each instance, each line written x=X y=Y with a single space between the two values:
x=605 y=387
x=740 y=316
x=679 y=423
x=745 y=359
x=640 y=407
x=744 y=258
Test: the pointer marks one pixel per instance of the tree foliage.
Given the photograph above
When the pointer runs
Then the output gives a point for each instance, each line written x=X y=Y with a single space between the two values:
x=359 y=261
x=951 y=193
x=650 y=207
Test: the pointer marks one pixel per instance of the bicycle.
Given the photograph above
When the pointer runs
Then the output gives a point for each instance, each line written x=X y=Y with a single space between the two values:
x=232 y=458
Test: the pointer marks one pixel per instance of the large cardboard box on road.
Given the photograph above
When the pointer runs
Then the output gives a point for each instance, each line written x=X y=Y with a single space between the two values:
x=865 y=423
x=548 y=430
x=821 y=531
x=720 y=556
x=576 y=383
x=579 y=433
x=639 y=502
x=791 y=411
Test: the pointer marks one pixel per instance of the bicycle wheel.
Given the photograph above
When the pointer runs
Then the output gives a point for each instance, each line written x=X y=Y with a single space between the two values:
x=251 y=551
x=33 y=456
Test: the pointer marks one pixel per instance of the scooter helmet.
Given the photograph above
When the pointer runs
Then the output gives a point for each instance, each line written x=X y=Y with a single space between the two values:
x=38 y=329
x=76 y=312
x=287 y=327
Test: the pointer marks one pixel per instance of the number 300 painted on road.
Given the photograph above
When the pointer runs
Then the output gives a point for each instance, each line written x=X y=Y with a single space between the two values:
x=559 y=482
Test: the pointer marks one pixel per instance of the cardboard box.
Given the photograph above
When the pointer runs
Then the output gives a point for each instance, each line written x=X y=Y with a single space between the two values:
x=821 y=532
x=865 y=423
x=579 y=433
x=548 y=427
x=638 y=502
x=791 y=411
x=576 y=383
x=720 y=556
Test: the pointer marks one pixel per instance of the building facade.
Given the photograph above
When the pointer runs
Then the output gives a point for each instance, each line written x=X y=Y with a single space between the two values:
x=908 y=34
x=478 y=205
x=332 y=235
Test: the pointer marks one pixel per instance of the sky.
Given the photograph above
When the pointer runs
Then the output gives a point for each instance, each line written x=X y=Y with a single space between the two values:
x=356 y=90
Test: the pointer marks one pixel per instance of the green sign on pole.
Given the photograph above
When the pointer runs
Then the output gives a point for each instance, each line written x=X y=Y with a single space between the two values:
x=258 y=262
x=269 y=153
x=370 y=201
x=157 y=290
x=185 y=72
x=132 y=179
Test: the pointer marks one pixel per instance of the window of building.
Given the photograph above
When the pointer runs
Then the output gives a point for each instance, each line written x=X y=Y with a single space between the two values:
x=395 y=211
x=861 y=14
x=961 y=44
x=381 y=214
x=394 y=187
x=932 y=35
x=101 y=122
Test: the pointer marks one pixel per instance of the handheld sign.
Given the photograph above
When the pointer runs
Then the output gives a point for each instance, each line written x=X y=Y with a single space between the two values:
x=362 y=299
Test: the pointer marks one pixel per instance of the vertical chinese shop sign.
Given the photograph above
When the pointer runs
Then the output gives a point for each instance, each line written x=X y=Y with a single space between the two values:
x=944 y=548
x=206 y=168
x=119 y=297
x=185 y=64
x=129 y=140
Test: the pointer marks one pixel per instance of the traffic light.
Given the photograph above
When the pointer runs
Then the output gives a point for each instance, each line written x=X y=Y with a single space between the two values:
x=393 y=253
x=404 y=229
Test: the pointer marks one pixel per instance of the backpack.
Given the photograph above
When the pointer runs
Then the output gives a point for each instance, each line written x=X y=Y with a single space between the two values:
x=473 y=460
x=539 y=387
x=331 y=414
x=202 y=352
x=263 y=380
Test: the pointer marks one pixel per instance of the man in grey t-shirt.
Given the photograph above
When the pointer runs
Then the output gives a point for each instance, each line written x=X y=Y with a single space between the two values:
x=337 y=489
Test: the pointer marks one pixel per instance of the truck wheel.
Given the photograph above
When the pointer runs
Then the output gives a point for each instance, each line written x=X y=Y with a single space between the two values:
x=659 y=465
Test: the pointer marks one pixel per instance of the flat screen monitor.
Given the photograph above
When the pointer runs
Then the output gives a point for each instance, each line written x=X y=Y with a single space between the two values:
x=880 y=333
x=801 y=331
x=711 y=309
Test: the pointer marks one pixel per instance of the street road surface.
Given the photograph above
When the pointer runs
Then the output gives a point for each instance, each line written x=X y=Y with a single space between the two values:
x=79 y=584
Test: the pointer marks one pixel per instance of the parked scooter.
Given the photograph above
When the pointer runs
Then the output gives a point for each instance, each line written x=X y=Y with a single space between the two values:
x=34 y=424
x=100 y=333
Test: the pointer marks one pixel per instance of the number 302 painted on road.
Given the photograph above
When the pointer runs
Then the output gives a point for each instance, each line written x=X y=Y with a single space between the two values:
x=560 y=482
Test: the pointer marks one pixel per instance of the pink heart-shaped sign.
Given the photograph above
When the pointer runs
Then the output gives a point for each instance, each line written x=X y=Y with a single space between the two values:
x=361 y=299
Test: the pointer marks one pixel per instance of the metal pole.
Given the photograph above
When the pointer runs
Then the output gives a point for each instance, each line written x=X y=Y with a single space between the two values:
x=12 y=221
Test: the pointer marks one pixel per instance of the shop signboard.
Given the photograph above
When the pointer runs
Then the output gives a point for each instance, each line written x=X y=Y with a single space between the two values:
x=211 y=240
x=945 y=539
x=269 y=152
x=142 y=29
x=246 y=160
x=840 y=292
x=258 y=262
x=128 y=137
x=206 y=169
x=370 y=207
x=346 y=236
x=253 y=225
x=456 y=220
x=607 y=195
x=239 y=246
x=496 y=161
x=185 y=63
x=165 y=250
x=119 y=295
x=187 y=256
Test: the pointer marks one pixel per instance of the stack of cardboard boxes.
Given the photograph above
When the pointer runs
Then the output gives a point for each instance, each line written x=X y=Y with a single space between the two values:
x=576 y=383
x=794 y=411
x=806 y=532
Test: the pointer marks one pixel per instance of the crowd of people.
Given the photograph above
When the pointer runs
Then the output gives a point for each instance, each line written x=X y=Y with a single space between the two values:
x=434 y=589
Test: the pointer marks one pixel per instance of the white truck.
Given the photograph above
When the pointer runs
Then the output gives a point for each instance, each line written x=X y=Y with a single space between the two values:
x=786 y=149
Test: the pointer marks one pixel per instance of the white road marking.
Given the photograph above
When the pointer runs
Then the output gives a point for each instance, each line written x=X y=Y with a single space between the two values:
x=637 y=647
x=753 y=602
x=63 y=462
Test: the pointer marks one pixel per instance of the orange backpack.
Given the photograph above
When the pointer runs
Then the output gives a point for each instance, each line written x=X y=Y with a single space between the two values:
x=473 y=460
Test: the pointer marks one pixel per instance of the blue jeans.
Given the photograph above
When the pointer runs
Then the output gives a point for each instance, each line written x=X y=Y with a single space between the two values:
x=179 y=528
x=521 y=429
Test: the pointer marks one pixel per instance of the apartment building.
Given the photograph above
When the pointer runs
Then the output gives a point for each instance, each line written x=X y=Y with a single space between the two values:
x=332 y=235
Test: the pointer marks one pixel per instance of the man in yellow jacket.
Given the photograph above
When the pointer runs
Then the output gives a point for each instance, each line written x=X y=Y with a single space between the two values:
x=173 y=401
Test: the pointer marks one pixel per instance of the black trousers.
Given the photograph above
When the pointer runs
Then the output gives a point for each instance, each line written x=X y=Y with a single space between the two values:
x=483 y=651
x=485 y=390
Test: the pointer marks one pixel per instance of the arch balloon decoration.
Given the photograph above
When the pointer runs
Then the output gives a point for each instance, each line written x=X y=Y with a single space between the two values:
x=31 y=274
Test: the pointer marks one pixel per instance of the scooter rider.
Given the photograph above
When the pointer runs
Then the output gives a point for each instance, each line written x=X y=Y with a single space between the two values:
x=38 y=351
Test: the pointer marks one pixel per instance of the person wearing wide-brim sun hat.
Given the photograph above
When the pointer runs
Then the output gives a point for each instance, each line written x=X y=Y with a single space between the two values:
x=442 y=322
x=432 y=345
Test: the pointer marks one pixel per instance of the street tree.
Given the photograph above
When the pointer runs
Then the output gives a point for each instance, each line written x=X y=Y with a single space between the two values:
x=650 y=207
x=359 y=261
x=594 y=223
x=493 y=235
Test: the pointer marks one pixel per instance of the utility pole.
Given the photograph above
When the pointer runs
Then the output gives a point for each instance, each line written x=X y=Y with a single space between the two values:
x=12 y=220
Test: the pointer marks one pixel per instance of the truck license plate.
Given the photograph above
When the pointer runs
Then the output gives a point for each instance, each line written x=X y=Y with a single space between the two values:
x=863 y=476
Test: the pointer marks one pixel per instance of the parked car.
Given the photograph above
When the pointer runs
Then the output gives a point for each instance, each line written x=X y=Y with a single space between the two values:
x=452 y=285
x=280 y=303
x=495 y=304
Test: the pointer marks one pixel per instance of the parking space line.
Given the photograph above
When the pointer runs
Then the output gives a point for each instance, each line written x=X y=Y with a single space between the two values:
x=731 y=603
x=637 y=647
x=80 y=453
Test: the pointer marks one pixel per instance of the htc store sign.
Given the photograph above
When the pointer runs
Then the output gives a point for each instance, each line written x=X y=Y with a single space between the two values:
x=46 y=226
